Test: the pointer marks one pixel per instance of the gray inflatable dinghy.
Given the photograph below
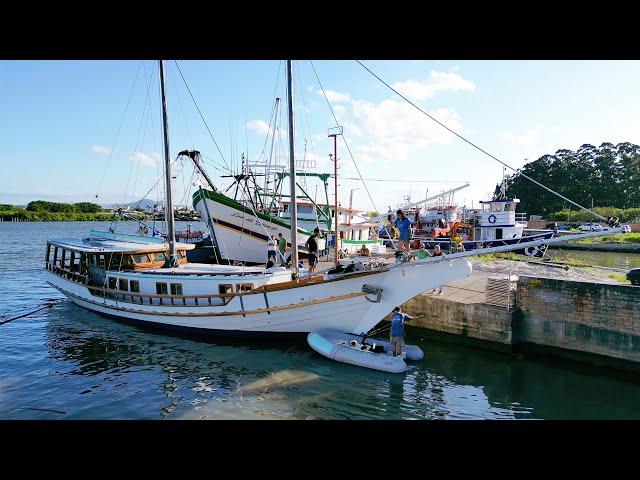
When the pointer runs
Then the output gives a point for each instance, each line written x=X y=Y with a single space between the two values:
x=374 y=353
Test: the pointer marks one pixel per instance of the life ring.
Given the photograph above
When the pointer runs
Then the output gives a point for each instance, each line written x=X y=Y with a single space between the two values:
x=531 y=251
x=492 y=219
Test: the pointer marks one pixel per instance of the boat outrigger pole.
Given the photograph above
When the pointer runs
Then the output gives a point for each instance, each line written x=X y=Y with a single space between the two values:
x=292 y=178
x=172 y=260
x=196 y=157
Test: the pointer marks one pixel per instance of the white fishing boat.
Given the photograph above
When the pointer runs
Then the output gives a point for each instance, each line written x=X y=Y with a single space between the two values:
x=149 y=280
x=138 y=279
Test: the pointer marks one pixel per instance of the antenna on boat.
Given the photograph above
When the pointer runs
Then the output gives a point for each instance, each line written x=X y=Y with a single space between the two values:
x=292 y=178
x=172 y=261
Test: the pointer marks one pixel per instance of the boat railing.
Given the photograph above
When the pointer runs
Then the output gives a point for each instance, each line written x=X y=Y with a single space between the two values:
x=165 y=299
x=521 y=217
x=66 y=273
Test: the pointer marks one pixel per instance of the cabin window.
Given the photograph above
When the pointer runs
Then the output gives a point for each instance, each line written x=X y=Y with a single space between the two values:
x=182 y=253
x=496 y=207
x=112 y=283
x=176 y=289
x=305 y=209
x=225 y=289
x=244 y=287
x=498 y=234
x=158 y=257
x=359 y=234
x=141 y=258
x=123 y=284
x=161 y=288
x=134 y=285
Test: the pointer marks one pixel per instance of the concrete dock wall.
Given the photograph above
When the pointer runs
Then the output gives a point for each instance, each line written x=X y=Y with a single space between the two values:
x=592 y=322
x=586 y=317
x=477 y=321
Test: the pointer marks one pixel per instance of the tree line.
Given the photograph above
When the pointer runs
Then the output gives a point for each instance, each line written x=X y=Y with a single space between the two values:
x=607 y=176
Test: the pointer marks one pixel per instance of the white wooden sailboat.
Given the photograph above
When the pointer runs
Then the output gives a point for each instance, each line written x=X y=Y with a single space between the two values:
x=138 y=280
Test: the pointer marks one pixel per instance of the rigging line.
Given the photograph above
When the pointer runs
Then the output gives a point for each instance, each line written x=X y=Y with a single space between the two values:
x=119 y=128
x=135 y=149
x=305 y=116
x=144 y=135
x=518 y=171
x=202 y=117
x=344 y=140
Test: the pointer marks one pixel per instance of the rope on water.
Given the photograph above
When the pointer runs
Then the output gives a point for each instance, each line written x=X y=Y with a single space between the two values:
x=46 y=305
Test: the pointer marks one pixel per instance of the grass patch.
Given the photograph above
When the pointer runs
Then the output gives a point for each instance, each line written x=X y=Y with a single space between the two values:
x=618 y=277
x=619 y=238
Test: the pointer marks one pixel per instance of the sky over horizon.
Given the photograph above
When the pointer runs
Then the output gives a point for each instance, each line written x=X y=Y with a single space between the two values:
x=74 y=129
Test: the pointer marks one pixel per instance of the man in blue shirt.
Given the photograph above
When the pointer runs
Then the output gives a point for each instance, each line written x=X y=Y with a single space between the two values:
x=403 y=224
x=397 y=330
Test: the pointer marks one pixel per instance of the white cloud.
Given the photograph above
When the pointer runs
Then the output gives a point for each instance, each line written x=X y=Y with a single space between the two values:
x=340 y=108
x=259 y=126
x=334 y=96
x=145 y=160
x=394 y=129
x=101 y=149
x=436 y=82
x=262 y=127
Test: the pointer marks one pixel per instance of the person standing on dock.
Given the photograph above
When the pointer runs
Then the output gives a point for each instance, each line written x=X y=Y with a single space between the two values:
x=397 y=330
x=282 y=247
x=403 y=224
x=312 y=246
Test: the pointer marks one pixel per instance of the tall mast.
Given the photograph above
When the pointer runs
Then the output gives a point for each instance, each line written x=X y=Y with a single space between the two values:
x=172 y=261
x=292 y=177
x=336 y=238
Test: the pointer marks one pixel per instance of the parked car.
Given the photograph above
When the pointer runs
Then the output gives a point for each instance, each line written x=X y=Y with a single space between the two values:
x=591 y=227
x=633 y=276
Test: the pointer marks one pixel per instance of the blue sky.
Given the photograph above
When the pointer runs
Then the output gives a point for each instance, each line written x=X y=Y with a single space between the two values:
x=60 y=120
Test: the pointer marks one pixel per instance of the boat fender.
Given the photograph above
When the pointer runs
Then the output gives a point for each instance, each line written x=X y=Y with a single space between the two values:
x=492 y=219
x=531 y=251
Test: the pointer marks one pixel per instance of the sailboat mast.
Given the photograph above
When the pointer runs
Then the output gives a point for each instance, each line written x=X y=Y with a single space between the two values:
x=292 y=177
x=172 y=261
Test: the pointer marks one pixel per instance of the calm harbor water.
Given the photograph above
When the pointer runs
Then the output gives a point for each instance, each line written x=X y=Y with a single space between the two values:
x=68 y=363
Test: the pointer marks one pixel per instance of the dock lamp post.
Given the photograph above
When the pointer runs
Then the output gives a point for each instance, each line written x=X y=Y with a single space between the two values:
x=334 y=132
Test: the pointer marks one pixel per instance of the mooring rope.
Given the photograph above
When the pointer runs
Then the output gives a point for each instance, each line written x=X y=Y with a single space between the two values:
x=48 y=304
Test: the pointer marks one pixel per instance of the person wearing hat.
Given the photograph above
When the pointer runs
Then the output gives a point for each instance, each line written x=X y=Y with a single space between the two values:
x=436 y=251
x=403 y=224
x=312 y=247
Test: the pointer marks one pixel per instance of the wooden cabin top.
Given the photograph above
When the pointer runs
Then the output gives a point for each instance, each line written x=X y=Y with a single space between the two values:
x=89 y=245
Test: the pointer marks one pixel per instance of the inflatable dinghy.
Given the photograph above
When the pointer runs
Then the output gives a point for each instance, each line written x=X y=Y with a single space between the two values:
x=374 y=353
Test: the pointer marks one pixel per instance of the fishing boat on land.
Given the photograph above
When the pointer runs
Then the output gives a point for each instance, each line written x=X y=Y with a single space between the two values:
x=496 y=224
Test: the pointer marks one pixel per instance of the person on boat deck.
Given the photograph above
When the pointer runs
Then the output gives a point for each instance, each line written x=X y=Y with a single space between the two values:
x=271 y=251
x=282 y=247
x=403 y=224
x=421 y=253
x=437 y=252
x=312 y=246
x=397 y=330
x=364 y=251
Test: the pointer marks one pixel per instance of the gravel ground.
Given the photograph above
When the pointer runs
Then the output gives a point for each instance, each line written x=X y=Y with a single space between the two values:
x=581 y=274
